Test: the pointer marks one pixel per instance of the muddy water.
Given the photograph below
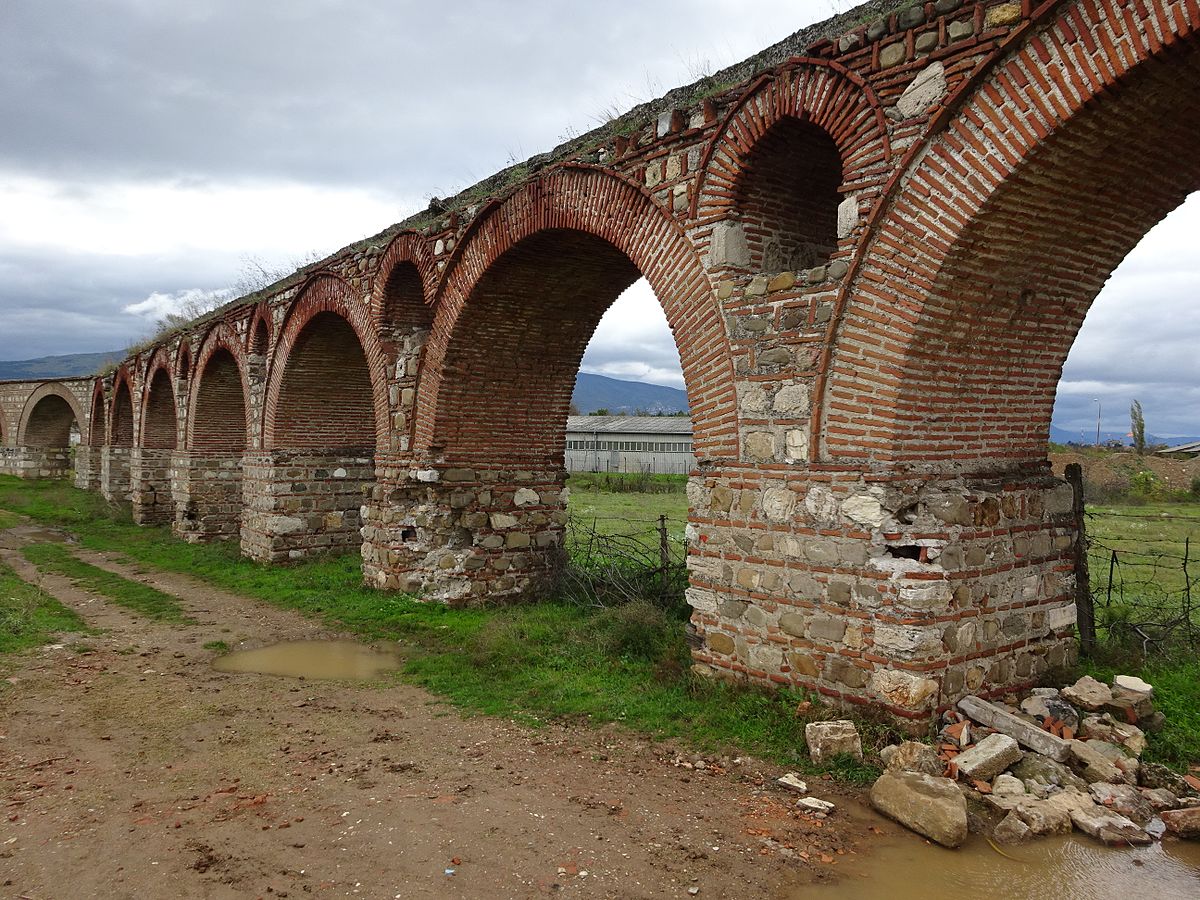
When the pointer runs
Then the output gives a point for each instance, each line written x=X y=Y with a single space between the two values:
x=311 y=659
x=1063 y=868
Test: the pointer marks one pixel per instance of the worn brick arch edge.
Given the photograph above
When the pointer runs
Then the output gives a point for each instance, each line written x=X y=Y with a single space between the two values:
x=1009 y=108
x=124 y=375
x=324 y=292
x=406 y=247
x=817 y=91
x=98 y=437
x=184 y=357
x=160 y=360
x=221 y=336
x=52 y=389
x=594 y=201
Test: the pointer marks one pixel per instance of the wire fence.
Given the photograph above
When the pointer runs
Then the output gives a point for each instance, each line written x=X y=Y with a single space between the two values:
x=612 y=561
x=1139 y=579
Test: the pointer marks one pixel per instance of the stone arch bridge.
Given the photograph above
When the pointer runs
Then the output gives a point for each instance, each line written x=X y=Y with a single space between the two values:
x=874 y=243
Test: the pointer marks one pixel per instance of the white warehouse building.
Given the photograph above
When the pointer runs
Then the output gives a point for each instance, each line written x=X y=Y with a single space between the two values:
x=661 y=445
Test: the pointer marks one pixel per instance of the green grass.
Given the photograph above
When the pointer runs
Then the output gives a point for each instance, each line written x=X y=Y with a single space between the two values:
x=140 y=598
x=217 y=646
x=538 y=662
x=29 y=617
x=7 y=519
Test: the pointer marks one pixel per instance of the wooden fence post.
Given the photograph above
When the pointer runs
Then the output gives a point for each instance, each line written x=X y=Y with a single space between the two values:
x=1083 y=587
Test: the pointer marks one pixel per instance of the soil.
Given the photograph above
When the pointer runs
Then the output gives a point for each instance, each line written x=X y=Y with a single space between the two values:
x=1114 y=470
x=130 y=768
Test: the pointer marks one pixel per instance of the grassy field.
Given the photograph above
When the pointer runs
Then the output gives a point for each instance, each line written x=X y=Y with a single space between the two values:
x=556 y=659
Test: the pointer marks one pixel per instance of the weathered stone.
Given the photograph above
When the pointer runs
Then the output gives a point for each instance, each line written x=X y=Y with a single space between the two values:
x=778 y=504
x=1003 y=14
x=792 y=400
x=803 y=664
x=1160 y=799
x=911 y=17
x=728 y=246
x=960 y=30
x=912 y=756
x=1124 y=799
x=1106 y=728
x=926 y=89
x=928 y=805
x=1092 y=765
x=525 y=497
x=906 y=690
x=1023 y=732
x=719 y=642
x=1036 y=771
x=1156 y=775
x=1088 y=693
x=865 y=510
x=1184 y=823
x=989 y=757
x=1108 y=826
x=926 y=42
x=1006 y=785
x=1044 y=818
x=1119 y=756
x=1133 y=685
x=760 y=445
x=1012 y=830
x=828 y=739
x=815 y=805
x=784 y=281
x=792 y=782
x=847 y=216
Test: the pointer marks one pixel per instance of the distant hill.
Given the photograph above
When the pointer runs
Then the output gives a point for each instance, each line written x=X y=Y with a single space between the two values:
x=593 y=392
x=72 y=366
x=1088 y=437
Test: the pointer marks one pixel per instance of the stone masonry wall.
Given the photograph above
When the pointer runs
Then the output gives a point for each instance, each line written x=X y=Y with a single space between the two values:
x=206 y=487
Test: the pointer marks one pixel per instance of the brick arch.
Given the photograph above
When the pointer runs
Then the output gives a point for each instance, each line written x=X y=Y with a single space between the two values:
x=183 y=361
x=219 y=392
x=160 y=426
x=121 y=413
x=1010 y=222
x=47 y=417
x=596 y=234
x=329 y=372
x=98 y=427
x=811 y=96
x=405 y=283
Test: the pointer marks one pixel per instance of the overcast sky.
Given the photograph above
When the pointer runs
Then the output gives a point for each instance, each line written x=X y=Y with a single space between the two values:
x=150 y=149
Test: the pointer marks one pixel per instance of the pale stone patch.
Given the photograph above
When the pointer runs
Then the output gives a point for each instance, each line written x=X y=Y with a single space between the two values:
x=926 y=89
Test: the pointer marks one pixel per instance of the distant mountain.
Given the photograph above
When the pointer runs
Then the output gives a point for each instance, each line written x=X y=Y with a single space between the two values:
x=593 y=392
x=1088 y=437
x=72 y=366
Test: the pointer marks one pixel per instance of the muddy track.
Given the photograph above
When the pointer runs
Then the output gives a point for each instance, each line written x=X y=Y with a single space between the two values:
x=129 y=768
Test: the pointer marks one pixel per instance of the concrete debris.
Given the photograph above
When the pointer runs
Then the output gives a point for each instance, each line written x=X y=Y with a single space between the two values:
x=1088 y=693
x=1105 y=728
x=1012 y=830
x=989 y=757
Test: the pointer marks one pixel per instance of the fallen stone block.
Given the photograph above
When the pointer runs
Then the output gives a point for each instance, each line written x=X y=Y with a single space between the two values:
x=1184 y=823
x=1012 y=830
x=1025 y=733
x=1043 y=818
x=1124 y=799
x=1006 y=785
x=912 y=756
x=1092 y=765
x=1054 y=706
x=1088 y=693
x=1119 y=757
x=1156 y=775
x=792 y=782
x=1106 y=728
x=815 y=805
x=989 y=757
x=1108 y=826
x=1037 y=770
x=1160 y=799
x=829 y=739
x=931 y=806
x=1133 y=685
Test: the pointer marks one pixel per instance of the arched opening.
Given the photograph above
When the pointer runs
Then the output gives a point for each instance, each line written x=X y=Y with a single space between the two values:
x=404 y=306
x=219 y=419
x=159 y=431
x=51 y=423
x=51 y=432
x=787 y=197
x=306 y=494
x=260 y=340
x=150 y=469
x=185 y=362
x=122 y=423
x=98 y=431
x=325 y=399
x=516 y=354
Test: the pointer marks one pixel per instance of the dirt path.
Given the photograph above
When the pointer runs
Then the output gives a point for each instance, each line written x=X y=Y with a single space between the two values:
x=135 y=770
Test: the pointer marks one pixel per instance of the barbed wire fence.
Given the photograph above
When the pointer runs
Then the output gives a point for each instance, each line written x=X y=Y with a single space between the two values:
x=1143 y=597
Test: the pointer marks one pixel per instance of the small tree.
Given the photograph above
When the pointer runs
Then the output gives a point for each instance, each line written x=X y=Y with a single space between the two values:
x=1137 y=424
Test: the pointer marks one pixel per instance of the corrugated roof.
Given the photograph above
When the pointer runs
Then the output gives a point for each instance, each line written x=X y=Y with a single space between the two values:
x=1193 y=447
x=629 y=424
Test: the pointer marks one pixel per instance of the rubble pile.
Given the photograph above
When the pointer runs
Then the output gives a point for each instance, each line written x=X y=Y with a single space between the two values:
x=1055 y=761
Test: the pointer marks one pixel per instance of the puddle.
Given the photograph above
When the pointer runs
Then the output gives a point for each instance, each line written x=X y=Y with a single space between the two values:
x=906 y=868
x=311 y=659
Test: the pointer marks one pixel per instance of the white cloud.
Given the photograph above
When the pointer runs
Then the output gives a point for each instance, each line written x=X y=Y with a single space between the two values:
x=193 y=301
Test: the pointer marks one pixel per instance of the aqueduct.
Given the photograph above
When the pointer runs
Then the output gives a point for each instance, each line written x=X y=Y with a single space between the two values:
x=874 y=243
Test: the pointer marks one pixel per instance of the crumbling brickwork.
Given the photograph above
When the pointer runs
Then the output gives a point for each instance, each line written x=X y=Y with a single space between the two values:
x=874 y=244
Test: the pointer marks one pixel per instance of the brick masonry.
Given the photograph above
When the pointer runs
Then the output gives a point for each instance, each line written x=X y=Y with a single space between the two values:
x=874 y=244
